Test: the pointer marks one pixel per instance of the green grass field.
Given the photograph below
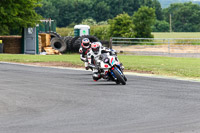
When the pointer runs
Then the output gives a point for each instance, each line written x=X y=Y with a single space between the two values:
x=170 y=66
x=176 y=34
x=65 y=31
x=71 y=58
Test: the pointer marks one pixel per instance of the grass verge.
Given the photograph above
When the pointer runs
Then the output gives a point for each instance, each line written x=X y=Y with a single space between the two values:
x=70 y=58
x=176 y=34
x=170 y=66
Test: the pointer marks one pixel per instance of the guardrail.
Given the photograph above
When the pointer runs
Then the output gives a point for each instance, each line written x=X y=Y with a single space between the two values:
x=156 y=45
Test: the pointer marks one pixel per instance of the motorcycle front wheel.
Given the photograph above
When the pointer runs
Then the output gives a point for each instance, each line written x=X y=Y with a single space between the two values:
x=119 y=77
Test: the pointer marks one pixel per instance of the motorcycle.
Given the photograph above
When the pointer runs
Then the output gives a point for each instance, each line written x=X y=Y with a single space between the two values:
x=109 y=67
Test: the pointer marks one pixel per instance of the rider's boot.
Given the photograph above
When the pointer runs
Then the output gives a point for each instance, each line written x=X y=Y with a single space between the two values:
x=96 y=76
x=86 y=66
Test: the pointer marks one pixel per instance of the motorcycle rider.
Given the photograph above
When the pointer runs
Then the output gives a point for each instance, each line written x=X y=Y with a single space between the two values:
x=95 y=52
x=84 y=48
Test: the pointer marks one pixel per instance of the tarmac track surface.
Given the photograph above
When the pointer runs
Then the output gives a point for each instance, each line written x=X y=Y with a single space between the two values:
x=51 y=100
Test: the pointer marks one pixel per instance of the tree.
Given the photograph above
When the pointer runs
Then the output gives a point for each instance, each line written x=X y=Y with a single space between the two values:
x=153 y=4
x=48 y=9
x=74 y=11
x=116 y=7
x=89 y=21
x=158 y=9
x=143 y=19
x=160 y=26
x=122 y=26
x=171 y=10
x=101 y=11
x=15 y=14
x=130 y=6
x=185 y=17
x=66 y=12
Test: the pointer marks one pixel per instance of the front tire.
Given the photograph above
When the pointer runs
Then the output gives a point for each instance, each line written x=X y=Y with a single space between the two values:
x=125 y=78
x=119 y=77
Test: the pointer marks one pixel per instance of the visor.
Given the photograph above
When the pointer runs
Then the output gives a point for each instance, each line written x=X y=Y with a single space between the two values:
x=95 y=50
x=86 y=44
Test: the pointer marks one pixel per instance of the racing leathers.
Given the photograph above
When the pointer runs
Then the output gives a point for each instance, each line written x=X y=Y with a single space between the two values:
x=83 y=56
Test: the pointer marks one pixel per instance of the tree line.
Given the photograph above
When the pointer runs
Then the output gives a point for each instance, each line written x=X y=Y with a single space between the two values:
x=66 y=12
x=184 y=16
x=15 y=14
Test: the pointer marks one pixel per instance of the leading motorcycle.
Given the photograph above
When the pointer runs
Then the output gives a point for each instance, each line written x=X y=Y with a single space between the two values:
x=109 y=67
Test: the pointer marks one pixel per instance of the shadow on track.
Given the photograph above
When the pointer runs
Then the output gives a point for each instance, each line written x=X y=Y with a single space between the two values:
x=104 y=83
x=78 y=74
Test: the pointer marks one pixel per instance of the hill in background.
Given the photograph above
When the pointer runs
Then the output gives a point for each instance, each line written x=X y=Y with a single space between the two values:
x=166 y=3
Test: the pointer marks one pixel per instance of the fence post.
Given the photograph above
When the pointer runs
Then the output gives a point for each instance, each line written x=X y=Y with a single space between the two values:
x=168 y=46
x=110 y=43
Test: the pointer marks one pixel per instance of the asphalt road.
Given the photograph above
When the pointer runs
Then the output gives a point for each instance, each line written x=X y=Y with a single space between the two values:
x=50 y=100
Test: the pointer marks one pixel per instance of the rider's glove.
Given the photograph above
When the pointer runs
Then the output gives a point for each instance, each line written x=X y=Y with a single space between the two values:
x=80 y=51
x=113 y=52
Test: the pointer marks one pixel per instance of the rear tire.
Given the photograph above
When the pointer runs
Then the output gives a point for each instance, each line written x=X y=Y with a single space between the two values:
x=77 y=44
x=125 y=78
x=67 y=41
x=119 y=77
x=54 y=34
x=58 y=44
x=71 y=43
x=91 y=38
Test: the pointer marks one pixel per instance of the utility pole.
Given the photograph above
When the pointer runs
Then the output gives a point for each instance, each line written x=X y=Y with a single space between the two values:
x=170 y=22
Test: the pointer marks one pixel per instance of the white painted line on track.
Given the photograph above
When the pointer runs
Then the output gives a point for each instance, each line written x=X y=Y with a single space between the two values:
x=126 y=73
x=162 y=76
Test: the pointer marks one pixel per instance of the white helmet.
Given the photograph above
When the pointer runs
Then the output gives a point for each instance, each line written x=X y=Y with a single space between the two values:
x=96 y=47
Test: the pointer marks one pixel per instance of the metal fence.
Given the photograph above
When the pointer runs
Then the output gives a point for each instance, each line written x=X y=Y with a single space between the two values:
x=157 y=46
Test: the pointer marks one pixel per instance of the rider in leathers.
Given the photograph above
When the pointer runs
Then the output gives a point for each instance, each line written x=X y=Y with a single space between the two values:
x=84 y=48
